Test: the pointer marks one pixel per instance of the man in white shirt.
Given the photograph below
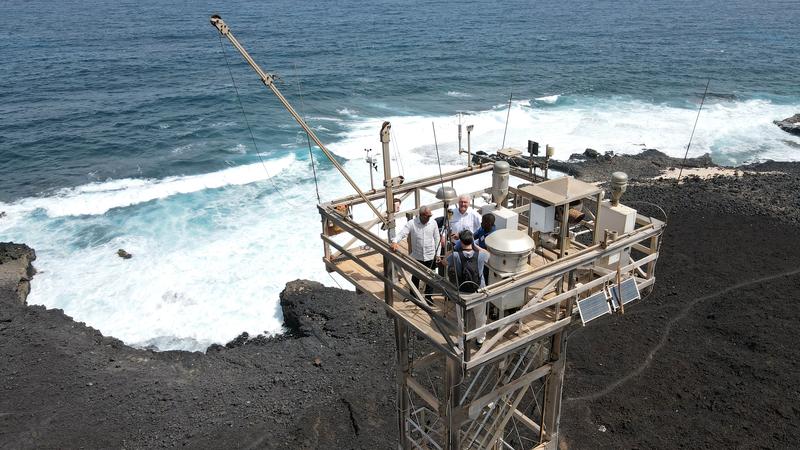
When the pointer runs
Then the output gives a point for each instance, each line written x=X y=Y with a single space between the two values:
x=424 y=243
x=464 y=218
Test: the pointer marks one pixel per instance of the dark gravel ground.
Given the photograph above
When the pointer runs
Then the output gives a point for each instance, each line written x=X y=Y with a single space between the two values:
x=327 y=384
x=708 y=360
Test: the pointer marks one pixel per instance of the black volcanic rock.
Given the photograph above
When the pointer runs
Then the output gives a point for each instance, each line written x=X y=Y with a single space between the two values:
x=591 y=153
x=647 y=164
x=333 y=388
x=790 y=124
x=16 y=271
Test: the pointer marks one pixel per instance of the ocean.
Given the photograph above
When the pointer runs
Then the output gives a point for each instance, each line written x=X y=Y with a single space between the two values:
x=122 y=128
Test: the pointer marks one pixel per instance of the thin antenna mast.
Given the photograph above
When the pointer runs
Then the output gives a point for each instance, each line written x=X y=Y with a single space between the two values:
x=459 y=134
x=693 y=128
x=446 y=220
x=269 y=81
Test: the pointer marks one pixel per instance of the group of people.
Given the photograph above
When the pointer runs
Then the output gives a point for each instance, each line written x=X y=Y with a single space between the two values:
x=466 y=264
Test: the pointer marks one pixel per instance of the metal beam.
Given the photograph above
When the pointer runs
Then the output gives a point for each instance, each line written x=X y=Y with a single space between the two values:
x=419 y=184
x=475 y=407
x=423 y=393
x=269 y=81
x=519 y=342
x=532 y=308
x=402 y=260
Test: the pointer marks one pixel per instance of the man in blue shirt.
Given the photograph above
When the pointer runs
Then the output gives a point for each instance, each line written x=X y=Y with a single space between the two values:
x=479 y=238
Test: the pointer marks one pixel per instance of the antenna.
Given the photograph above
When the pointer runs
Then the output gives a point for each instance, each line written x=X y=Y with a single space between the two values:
x=459 y=134
x=373 y=165
x=469 y=145
x=693 y=128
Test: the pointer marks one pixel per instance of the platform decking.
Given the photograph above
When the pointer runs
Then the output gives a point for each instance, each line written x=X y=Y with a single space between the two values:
x=527 y=328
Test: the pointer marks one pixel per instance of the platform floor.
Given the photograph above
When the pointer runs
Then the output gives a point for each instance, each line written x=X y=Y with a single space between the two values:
x=445 y=310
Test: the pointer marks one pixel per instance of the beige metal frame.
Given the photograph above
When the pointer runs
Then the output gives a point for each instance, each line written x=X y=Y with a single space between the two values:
x=552 y=286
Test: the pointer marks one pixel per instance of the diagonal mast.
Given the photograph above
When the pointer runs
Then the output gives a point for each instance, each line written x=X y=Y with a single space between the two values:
x=269 y=81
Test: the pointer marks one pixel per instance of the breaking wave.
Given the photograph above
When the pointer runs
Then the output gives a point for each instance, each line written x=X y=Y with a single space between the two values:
x=99 y=198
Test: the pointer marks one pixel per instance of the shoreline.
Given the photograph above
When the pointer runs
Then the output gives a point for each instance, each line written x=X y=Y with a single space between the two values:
x=697 y=356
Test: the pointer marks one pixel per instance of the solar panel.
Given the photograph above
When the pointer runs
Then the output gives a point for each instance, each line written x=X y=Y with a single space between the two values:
x=630 y=292
x=593 y=307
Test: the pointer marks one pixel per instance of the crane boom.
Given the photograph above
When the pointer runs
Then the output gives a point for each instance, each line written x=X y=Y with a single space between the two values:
x=269 y=81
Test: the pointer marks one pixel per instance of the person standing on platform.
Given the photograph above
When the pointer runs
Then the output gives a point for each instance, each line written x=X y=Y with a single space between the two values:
x=465 y=269
x=464 y=218
x=479 y=238
x=424 y=244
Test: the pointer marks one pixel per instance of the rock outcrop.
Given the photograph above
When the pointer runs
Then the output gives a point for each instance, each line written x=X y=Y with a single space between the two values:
x=790 y=124
x=16 y=271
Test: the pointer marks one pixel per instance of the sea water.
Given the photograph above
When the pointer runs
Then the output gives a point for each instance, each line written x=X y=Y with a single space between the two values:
x=122 y=127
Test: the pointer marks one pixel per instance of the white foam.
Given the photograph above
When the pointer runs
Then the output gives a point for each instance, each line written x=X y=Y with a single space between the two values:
x=457 y=94
x=98 y=198
x=329 y=119
x=182 y=149
x=549 y=99
x=347 y=112
x=239 y=149
x=733 y=132
x=206 y=266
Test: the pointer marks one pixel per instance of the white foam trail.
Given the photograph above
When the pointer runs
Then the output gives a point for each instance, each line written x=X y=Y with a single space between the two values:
x=98 y=198
x=329 y=119
x=457 y=94
x=549 y=99
x=347 y=112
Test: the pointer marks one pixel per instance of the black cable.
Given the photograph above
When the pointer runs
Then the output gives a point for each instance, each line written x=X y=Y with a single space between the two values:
x=693 y=128
x=308 y=140
x=507 y=117
x=247 y=122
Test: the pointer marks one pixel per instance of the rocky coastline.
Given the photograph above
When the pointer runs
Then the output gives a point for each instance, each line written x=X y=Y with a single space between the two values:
x=707 y=360
x=790 y=124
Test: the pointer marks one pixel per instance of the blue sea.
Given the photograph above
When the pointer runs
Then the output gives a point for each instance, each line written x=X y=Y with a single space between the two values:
x=121 y=127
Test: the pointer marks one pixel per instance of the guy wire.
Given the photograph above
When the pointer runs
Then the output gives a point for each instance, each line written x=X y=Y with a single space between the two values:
x=446 y=221
x=693 y=128
x=252 y=136
x=334 y=280
x=308 y=138
x=438 y=160
x=397 y=154
x=510 y=96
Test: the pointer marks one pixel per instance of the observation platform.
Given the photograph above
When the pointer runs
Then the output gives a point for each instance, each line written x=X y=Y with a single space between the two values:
x=552 y=282
x=532 y=326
